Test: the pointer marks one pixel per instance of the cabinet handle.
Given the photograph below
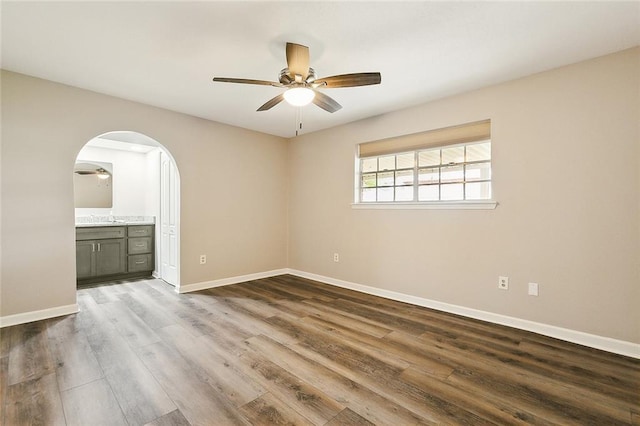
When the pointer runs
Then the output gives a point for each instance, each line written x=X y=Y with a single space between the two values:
x=140 y=245
x=140 y=262
x=93 y=247
x=98 y=246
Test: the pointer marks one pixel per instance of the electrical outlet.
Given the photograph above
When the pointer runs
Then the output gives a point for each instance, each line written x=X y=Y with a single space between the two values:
x=533 y=289
x=503 y=283
x=336 y=257
x=203 y=259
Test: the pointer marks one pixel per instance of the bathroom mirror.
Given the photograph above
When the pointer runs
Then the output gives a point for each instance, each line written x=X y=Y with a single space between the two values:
x=93 y=184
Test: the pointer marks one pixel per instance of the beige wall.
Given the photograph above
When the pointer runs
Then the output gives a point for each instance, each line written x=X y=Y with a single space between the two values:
x=233 y=207
x=565 y=173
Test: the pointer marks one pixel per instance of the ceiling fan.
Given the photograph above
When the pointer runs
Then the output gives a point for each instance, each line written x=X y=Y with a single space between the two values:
x=99 y=172
x=301 y=83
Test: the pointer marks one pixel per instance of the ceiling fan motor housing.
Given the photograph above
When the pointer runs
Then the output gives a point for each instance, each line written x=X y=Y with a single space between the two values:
x=286 y=77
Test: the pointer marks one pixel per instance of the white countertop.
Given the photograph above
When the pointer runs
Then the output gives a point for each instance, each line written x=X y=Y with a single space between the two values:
x=117 y=223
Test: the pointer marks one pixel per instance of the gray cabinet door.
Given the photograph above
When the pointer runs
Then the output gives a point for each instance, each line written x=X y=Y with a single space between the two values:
x=85 y=261
x=110 y=257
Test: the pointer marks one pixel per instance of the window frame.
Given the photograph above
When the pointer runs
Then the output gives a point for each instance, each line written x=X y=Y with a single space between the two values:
x=474 y=204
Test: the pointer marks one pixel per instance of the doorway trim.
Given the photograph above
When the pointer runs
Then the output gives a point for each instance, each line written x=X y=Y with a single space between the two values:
x=137 y=138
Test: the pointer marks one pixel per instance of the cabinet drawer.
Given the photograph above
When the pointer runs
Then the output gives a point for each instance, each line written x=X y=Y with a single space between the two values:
x=140 y=262
x=139 y=245
x=100 y=233
x=140 y=231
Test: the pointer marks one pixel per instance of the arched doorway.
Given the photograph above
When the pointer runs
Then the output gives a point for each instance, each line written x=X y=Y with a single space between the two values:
x=145 y=186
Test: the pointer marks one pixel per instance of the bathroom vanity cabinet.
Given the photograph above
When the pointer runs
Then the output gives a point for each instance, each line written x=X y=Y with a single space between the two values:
x=105 y=253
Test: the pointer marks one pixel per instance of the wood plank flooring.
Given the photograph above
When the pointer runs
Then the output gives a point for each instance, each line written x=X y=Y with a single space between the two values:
x=290 y=351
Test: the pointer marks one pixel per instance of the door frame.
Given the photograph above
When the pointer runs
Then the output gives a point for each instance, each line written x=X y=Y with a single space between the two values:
x=143 y=139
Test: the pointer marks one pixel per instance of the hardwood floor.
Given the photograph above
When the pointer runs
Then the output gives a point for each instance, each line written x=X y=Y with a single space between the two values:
x=286 y=350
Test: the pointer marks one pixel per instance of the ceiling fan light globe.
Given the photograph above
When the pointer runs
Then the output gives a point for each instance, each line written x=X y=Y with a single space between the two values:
x=299 y=96
x=103 y=174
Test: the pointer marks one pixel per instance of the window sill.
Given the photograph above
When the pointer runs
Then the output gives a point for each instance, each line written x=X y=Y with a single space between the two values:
x=440 y=205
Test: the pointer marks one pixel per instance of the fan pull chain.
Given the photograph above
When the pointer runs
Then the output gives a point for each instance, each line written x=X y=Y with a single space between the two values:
x=298 y=120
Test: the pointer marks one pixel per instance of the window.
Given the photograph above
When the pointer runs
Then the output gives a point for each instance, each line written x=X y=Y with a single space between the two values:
x=458 y=169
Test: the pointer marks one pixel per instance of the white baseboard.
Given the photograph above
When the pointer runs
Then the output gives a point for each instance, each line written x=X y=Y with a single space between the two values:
x=228 y=281
x=43 y=314
x=599 y=342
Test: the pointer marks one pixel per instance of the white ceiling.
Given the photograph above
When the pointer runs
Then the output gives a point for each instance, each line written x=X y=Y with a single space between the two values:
x=166 y=53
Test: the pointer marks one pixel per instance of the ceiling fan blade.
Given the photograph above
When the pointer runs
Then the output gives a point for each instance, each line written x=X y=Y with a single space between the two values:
x=298 y=60
x=247 y=81
x=271 y=103
x=349 y=80
x=325 y=102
